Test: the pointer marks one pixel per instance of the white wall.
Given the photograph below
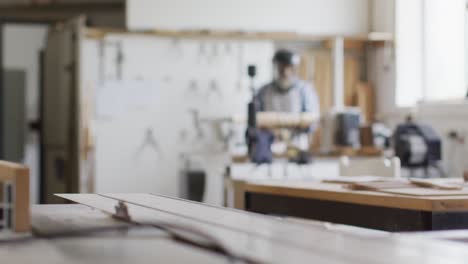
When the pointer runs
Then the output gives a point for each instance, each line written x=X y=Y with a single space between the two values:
x=410 y=62
x=21 y=47
x=310 y=16
x=383 y=15
x=154 y=93
x=381 y=60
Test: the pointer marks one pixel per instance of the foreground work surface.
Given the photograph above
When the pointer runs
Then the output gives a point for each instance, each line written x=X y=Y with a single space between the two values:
x=256 y=238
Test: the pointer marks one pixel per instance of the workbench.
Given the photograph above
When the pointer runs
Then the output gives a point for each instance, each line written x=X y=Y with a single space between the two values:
x=334 y=203
x=258 y=238
x=239 y=174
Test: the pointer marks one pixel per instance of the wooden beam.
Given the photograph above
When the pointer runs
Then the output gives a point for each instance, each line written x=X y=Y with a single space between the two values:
x=97 y=33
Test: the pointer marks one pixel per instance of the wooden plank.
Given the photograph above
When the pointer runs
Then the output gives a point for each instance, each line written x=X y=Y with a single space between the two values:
x=101 y=32
x=272 y=120
x=18 y=175
x=349 y=44
x=236 y=187
x=409 y=187
x=430 y=183
x=322 y=80
x=335 y=192
x=238 y=242
x=360 y=43
x=22 y=212
x=316 y=244
x=8 y=170
x=365 y=100
x=425 y=192
x=234 y=220
x=352 y=76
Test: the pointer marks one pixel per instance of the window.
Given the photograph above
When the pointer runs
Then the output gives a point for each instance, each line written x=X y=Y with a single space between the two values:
x=430 y=51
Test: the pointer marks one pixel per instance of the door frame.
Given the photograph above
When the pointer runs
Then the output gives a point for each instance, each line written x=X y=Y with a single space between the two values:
x=35 y=125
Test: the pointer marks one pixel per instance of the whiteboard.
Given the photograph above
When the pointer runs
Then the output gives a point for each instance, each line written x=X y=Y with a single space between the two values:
x=302 y=16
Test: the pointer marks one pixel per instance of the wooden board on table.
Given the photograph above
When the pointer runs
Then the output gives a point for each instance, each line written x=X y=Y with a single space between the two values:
x=416 y=187
x=426 y=192
x=440 y=184
x=272 y=240
x=339 y=193
x=142 y=209
x=356 y=179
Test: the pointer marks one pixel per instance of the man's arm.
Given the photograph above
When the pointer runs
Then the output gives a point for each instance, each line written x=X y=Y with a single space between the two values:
x=310 y=103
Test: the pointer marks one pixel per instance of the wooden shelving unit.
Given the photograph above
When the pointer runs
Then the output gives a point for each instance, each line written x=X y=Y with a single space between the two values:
x=373 y=37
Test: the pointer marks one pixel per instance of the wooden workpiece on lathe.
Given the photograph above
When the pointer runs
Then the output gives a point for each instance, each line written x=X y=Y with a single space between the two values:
x=272 y=120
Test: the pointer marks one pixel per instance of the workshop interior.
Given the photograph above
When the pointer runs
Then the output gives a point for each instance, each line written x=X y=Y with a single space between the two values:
x=248 y=131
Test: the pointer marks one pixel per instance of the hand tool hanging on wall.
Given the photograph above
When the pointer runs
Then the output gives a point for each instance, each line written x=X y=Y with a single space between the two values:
x=214 y=52
x=150 y=141
x=240 y=64
x=201 y=52
x=197 y=123
x=175 y=50
x=214 y=89
x=119 y=59
x=102 y=64
x=227 y=48
x=192 y=88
